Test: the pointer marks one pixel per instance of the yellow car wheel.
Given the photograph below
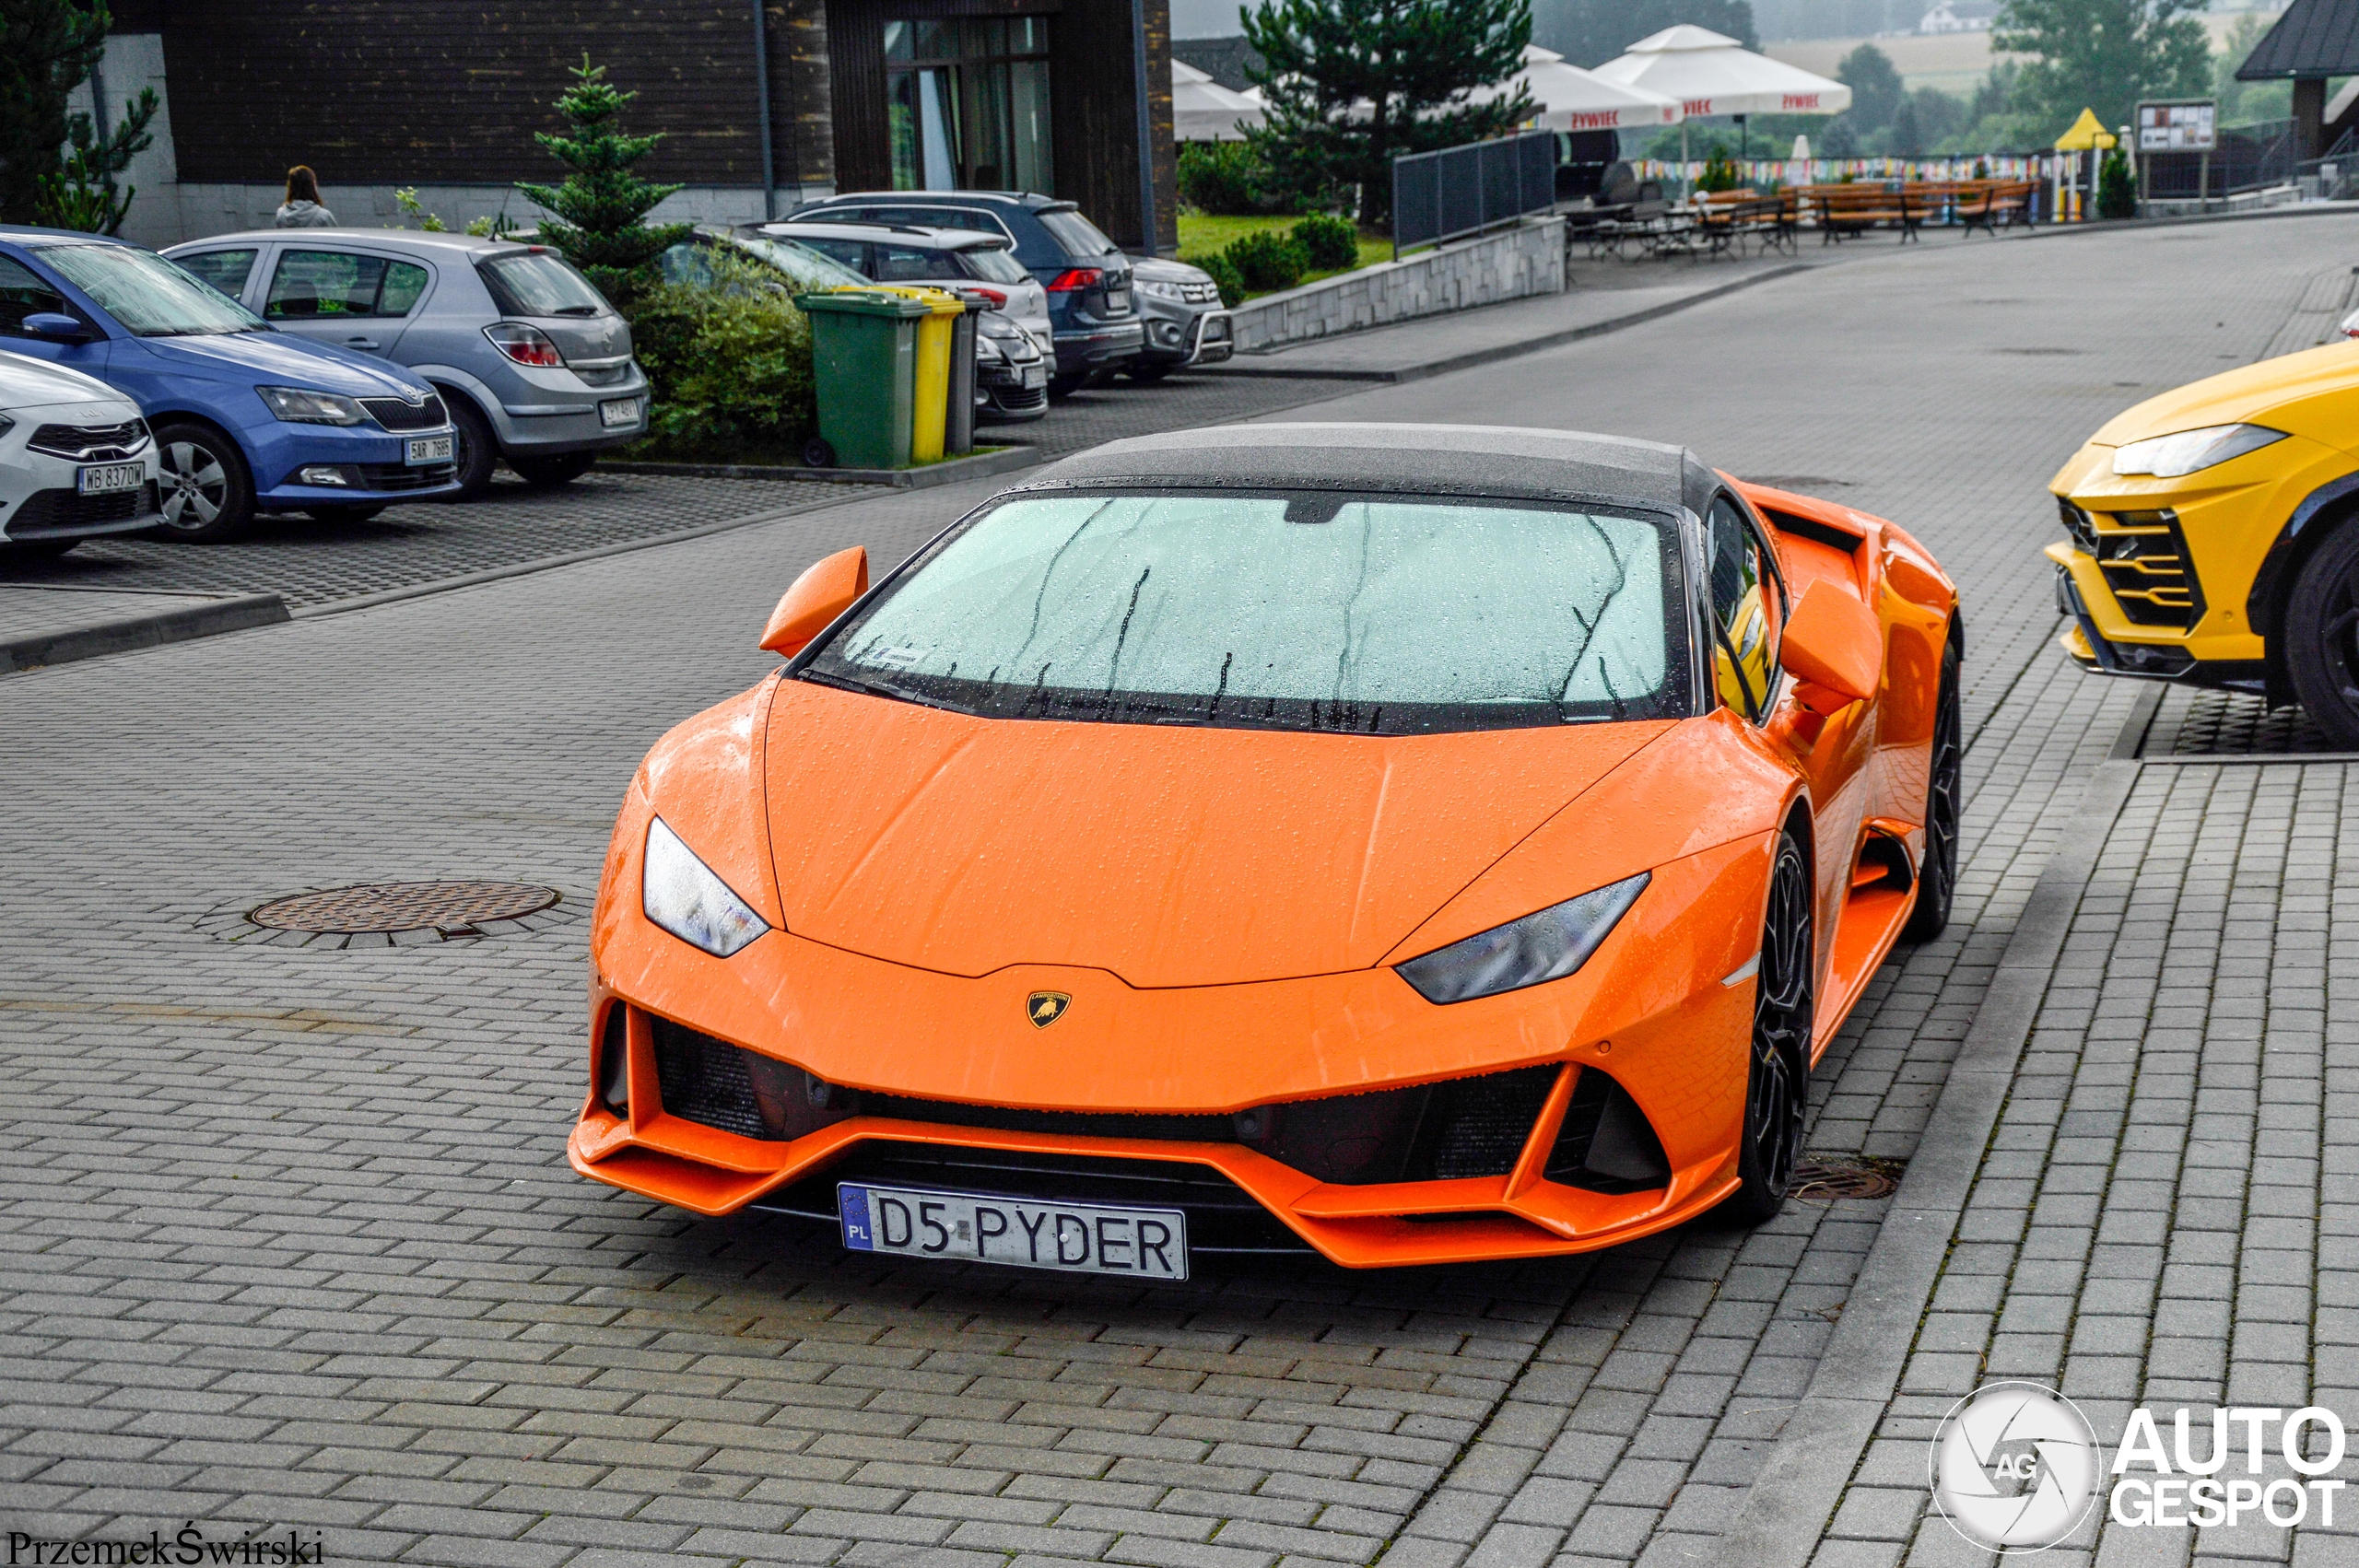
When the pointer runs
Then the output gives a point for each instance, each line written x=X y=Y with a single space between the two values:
x=2321 y=636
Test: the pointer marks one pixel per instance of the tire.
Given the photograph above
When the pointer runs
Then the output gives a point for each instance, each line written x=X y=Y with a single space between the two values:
x=817 y=454
x=547 y=472
x=1063 y=387
x=35 y=550
x=1776 y=1085
x=344 y=514
x=208 y=497
x=1146 y=374
x=2321 y=633
x=1945 y=801
x=477 y=451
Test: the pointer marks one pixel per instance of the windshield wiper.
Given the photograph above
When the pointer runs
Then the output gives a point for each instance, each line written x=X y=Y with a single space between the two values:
x=876 y=688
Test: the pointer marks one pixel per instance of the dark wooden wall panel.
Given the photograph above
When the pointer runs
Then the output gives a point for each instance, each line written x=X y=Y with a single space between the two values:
x=803 y=109
x=368 y=91
x=856 y=79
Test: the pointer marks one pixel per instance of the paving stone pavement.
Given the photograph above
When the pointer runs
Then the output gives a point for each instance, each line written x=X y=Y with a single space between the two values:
x=289 y=1240
x=2155 y=1219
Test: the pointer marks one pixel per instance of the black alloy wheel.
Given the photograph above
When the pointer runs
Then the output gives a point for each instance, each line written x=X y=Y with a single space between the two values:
x=1777 y=1087
x=549 y=471
x=2321 y=632
x=473 y=449
x=205 y=493
x=1944 y=802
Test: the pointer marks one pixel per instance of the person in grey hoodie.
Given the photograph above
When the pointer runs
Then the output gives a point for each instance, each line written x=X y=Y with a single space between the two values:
x=303 y=209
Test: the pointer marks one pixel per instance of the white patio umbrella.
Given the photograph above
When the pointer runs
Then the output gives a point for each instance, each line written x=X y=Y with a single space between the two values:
x=1573 y=100
x=1711 y=74
x=1203 y=110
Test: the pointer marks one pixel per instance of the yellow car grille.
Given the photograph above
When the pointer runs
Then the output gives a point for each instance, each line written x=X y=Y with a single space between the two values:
x=2144 y=558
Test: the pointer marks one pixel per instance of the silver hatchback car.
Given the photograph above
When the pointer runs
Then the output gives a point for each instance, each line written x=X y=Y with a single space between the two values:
x=533 y=363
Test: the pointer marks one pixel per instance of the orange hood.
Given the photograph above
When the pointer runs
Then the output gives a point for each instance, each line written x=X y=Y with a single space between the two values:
x=1167 y=855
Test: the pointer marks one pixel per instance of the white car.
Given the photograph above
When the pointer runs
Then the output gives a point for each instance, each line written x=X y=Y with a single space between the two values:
x=76 y=459
x=942 y=258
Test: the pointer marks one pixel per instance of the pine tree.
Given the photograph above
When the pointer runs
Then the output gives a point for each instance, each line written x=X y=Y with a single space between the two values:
x=47 y=49
x=597 y=210
x=81 y=192
x=1352 y=84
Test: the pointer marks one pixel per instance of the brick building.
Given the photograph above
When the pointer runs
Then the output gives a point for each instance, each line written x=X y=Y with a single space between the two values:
x=762 y=103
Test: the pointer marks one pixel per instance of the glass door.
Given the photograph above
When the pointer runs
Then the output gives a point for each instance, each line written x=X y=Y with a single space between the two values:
x=966 y=103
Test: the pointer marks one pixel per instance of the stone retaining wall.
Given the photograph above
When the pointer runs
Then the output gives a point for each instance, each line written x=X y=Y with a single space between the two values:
x=1527 y=259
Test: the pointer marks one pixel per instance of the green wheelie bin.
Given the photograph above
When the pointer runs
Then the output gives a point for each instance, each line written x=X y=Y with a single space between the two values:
x=864 y=357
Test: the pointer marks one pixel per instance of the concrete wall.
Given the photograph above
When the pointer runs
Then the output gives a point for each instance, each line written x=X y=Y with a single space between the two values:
x=1527 y=259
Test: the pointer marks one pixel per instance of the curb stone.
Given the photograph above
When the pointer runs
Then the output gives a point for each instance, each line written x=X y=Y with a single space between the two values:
x=1790 y=1503
x=64 y=646
x=1503 y=351
x=999 y=460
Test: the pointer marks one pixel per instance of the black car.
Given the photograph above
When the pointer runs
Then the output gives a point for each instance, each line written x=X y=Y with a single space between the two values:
x=1098 y=327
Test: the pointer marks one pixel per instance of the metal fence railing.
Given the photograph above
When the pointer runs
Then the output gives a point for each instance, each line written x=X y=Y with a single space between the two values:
x=1463 y=190
x=2248 y=158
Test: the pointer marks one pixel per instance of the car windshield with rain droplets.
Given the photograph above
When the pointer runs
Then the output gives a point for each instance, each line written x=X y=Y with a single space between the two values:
x=1381 y=615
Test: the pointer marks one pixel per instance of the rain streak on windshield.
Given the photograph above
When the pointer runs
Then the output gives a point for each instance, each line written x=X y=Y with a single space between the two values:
x=1302 y=611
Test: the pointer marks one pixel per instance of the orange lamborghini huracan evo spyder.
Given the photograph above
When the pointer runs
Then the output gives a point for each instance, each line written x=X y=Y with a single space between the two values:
x=1414 y=844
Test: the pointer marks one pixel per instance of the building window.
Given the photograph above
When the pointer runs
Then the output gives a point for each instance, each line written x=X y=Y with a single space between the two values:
x=967 y=99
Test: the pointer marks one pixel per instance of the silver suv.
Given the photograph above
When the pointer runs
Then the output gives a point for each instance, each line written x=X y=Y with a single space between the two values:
x=533 y=364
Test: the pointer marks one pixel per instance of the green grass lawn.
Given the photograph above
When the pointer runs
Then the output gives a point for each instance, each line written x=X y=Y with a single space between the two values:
x=1201 y=234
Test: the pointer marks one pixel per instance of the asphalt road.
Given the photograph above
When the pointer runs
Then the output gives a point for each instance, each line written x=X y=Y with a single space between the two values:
x=290 y=1240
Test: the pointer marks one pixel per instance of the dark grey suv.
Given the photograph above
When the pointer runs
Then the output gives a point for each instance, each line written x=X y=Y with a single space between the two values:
x=1094 y=320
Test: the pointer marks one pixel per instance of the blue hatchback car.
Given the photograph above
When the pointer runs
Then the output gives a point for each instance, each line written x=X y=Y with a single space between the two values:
x=247 y=419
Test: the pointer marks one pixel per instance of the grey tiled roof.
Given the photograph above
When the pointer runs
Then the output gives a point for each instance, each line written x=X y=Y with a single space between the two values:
x=2314 y=37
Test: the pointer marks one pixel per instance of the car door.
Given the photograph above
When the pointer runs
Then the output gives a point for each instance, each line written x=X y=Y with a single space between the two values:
x=25 y=292
x=345 y=295
x=1748 y=605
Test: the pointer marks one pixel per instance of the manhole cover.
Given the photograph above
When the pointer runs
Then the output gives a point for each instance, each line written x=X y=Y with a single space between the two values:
x=395 y=914
x=404 y=907
x=1823 y=1181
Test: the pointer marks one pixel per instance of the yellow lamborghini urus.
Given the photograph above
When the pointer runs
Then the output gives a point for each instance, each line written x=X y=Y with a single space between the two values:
x=2214 y=537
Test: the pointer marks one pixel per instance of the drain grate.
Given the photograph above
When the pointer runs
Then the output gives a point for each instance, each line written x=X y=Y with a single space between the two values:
x=398 y=914
x=1823 y=1181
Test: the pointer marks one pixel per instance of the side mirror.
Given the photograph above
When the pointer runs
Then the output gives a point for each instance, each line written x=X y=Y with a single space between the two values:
x=1833 y=648
x=56 y=326
x=824 y=592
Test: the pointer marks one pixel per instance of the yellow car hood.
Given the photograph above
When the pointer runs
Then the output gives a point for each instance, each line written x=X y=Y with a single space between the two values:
x=2314 y=393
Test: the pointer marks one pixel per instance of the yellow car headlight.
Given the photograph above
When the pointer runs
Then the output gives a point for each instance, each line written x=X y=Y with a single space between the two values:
x=2169 y=457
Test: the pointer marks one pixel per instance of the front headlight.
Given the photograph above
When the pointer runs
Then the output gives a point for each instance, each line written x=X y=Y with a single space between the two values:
x=2169 y=457
x=1157 y=288
x=682 y=895
x=300 y=406
x=1540 y=947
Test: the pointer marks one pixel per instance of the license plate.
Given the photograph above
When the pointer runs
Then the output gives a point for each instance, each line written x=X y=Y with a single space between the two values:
x=427 y=449
x=105 y=478
x=1118 y=299
x=1036 y=375
x=1076 y=1238
x=619 y=411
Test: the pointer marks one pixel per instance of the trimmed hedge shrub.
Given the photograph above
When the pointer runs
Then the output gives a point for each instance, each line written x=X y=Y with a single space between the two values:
x=1268 y=261
x=729 y=366
x=1224 y=275
x=1331 y=243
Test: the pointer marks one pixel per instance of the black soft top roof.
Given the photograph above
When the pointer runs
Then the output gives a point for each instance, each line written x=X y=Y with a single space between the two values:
x=1475 y=460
